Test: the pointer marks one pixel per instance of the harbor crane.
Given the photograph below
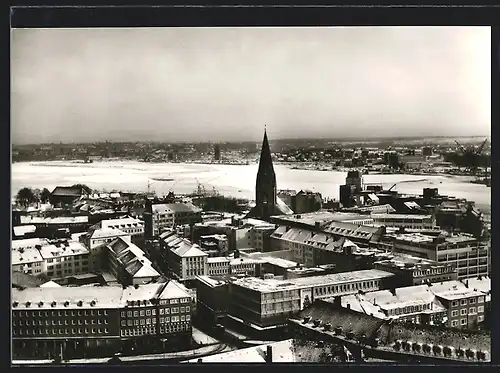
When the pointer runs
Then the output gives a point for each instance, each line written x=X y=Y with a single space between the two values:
x=471 y=156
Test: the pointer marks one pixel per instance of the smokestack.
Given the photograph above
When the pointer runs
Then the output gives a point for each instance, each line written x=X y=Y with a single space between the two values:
x=269 y=354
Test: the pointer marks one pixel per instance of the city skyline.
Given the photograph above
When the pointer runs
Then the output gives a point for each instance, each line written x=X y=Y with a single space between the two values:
x=91 y=85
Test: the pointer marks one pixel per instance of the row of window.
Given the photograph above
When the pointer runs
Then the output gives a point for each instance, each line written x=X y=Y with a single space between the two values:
x=137 y=332
x=138 y=322
x=60 y=322
x=472 y=311
x=346 y=287
x=463 y=302
x=59 y=331
x=409 y=309
x=61 y=313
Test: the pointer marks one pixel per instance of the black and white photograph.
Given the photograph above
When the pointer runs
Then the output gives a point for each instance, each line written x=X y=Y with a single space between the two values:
x=198 y=195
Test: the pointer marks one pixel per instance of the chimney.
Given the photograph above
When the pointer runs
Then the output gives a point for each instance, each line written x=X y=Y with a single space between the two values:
x=467 y=283
x=269 y=354
x=348 y=306
x=200 y=360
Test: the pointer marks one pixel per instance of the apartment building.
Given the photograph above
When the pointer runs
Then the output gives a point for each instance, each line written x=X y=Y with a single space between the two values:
x=216 y=242
x=470 y=256
x=465 y=305
x=129 y=264
x=271 y=301
x=405 y=221
x=47 y=322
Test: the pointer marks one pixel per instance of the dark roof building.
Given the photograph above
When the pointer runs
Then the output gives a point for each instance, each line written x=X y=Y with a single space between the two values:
x=380 y=338
x=65 y=195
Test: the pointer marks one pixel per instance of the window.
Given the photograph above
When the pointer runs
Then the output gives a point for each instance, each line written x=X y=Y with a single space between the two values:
x=480 y=318
x=142 y=313
x=187 y=309
x=472 y=300
x=142 y=321
x=182 y=309
x=123 y=314
x=454 y=313
x=480 y=309
x=167 y=311
x=129 y=313
x=454 y=323
x=136 y=322
x=148 y=321
x=162 y=311
x=175 y=310
x=136 y=313
x=480 y=299
x=463 y=311
x=148 y=312
x=463 y=322
x=106 y=330
x=124 y=323
x=167 y=319
x=472 y=310
x=153 y=312
x=188 y=317
x=463 y=302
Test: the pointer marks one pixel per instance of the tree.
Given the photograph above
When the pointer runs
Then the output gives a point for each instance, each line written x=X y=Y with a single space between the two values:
x=26 y=197
x=85 y=188
x=45 y=195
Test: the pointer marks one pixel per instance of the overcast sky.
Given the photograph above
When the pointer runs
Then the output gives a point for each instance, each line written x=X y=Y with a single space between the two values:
x=225 y=84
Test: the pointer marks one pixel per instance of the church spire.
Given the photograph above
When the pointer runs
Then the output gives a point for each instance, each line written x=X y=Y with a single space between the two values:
x=265 y=188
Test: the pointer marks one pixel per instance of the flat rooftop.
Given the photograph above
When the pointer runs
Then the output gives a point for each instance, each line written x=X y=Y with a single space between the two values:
x=321 y=216
x=454 y=290
x=271 y=285
x=400 y=217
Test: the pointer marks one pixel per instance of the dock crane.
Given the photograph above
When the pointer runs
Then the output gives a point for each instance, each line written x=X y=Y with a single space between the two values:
x=471 y=156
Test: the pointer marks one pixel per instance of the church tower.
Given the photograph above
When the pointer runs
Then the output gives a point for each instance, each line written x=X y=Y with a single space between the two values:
x=266 y=201
x=265 y=186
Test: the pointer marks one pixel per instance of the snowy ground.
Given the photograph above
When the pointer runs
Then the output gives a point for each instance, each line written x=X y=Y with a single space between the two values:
x=202 y=338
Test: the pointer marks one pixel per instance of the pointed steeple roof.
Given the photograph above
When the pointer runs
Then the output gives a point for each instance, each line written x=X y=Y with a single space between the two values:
x=265 y=162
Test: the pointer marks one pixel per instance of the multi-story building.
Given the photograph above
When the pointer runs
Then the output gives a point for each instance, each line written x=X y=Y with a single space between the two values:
x=465 y=305
x=95 y=240
x=306 y=201
x=405 y=221
x=219 y=266
x=215 y=241
x=65 y=258
x=270 y=301
x=212 y=299
x=240 y=233
x=78 y=321
x=129 y=264
x=415 y=304
x=309 y=247
x=132 y=226
x=469 y=255
x=28 y=261
x=161 y=217
x=29 y=243
x=46 y=226
x=416 y=271
x=185 y=261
